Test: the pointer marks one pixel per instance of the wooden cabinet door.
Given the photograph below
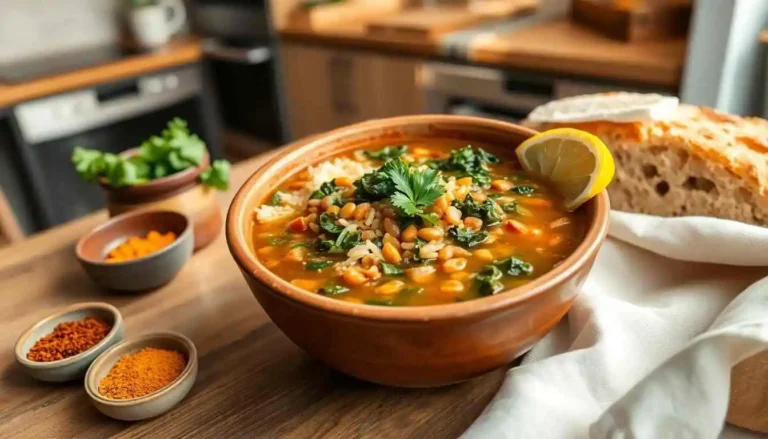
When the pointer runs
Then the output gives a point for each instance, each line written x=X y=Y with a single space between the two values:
x=326 y=88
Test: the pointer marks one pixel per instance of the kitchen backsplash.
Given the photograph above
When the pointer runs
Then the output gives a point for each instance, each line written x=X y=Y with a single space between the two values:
x=34 y=28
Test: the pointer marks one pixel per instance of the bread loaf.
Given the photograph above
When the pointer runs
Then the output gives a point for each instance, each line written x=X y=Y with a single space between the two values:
x=700 y=162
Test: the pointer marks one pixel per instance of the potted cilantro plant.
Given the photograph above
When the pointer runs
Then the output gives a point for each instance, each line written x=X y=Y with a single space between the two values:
x=171 y=171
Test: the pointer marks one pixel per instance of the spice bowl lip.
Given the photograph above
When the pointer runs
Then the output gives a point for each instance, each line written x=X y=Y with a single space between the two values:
x=190 y=352
x=21 y=356
x=114 y=221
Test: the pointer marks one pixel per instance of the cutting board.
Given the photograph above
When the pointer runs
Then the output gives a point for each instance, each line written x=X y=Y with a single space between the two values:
x=330 y=15
x=425 y=23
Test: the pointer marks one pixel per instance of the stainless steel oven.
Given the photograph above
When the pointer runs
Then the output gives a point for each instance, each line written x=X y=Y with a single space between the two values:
x=503 y=94
x=111 y=117
x=241 y=49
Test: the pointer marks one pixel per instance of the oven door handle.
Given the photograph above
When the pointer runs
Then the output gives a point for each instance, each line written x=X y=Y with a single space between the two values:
x=248 y=55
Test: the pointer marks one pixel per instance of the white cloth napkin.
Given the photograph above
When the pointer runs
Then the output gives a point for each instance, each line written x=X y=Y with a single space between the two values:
x=646 y=350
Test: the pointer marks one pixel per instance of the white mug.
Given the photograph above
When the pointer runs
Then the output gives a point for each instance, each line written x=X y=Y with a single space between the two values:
x=154 y=25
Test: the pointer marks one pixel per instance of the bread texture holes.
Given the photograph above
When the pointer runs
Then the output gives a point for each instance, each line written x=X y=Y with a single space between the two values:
x=650 y=171
x=699 y=184
x=662 y=188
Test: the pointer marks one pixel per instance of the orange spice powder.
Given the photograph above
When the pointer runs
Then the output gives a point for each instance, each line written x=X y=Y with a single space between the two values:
x=137 y=247
x=68 y=339
x=142 y=373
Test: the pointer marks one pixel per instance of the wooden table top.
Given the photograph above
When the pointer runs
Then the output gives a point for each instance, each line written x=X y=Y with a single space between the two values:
x=252 y=381
x=181 y=51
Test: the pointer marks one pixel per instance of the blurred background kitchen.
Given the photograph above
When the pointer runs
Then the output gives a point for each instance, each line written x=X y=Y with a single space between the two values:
x=250 y=75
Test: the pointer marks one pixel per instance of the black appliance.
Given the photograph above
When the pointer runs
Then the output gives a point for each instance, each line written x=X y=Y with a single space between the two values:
x=242 y=55
x=29 y=69
x=111 y=117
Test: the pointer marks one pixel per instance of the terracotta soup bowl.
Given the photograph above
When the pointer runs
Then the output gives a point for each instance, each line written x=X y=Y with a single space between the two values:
x=409 y=346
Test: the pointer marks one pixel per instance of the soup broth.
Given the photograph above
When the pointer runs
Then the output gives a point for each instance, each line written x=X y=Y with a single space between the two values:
x=430 y=222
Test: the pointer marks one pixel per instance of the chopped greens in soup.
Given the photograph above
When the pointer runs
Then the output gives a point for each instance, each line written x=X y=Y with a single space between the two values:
x=430 y=222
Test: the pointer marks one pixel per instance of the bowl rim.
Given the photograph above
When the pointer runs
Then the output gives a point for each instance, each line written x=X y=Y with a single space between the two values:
x=190 y=352
x=22 y=358
x=587 y=249
x=169 y=182
x=116 y=219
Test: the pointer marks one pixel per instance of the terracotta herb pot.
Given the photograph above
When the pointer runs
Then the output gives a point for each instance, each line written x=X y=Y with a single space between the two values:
x=180 y=192
x=410 y=346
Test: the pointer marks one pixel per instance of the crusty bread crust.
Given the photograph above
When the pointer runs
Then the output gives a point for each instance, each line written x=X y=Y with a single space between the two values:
x=702 y=162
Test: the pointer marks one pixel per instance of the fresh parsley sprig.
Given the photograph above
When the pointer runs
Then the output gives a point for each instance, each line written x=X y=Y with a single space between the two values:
x=174 y=150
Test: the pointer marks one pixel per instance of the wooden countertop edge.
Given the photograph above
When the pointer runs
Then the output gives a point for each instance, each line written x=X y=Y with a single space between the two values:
x=362 y=41
x=180 y=52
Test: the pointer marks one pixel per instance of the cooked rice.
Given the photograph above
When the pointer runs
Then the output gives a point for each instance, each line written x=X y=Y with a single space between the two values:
x=338 y=167
x=267 y=214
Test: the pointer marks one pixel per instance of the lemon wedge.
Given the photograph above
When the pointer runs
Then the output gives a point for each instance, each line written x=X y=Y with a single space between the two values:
x=576 y=163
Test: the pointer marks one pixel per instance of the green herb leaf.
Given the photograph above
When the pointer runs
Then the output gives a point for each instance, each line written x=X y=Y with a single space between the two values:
x=488 y=211
x=217 y=176
x=327 y=246
x=416 y=188
x=318 y=265
x=387 y=153
x=300 y=245
x=328 y=223
x=327 y=188
x=511 y=207
x=391 y=269
x=514 y=267
x=373 y=186
x=347 y=239
x=429 y=218
x=467 y=238
x=332 y=289
x=487 y=280
x=523 y=190
x=275 y=200
x=470 y=162
x=380 y=302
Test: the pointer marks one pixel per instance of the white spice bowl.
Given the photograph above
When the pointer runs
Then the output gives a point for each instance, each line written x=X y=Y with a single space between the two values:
x=155 y=403
x=73 y=367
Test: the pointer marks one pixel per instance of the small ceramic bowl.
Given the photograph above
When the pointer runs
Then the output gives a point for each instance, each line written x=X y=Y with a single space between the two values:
x=155 y=403
x=139 y=274
x=75 y=366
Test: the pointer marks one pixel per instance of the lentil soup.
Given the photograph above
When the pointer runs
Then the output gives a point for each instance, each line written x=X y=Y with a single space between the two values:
x=430 y=222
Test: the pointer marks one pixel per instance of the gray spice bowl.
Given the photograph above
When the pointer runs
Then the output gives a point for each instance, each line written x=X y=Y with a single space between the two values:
x=151 y=271
x=155 y=403
x=74 y=367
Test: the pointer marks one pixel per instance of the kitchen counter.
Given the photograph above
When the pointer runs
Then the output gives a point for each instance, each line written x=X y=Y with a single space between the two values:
x=355 y=35
x=252 y=381
x=559 y=47
x=178 y=52
x=566 y=48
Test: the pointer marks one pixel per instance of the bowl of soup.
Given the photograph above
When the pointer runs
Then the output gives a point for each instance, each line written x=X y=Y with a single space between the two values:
x=412 y=251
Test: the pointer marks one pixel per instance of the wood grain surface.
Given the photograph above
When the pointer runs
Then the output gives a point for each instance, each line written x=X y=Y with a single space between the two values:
x=558 y=47
x=567 y=48
x=252 y=382
x=178 y=52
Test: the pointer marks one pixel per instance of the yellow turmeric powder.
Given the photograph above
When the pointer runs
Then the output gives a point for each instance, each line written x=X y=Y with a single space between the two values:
x=142 y=373
x=137 y=247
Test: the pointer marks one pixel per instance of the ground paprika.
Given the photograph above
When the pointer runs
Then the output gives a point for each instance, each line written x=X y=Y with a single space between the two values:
x=68 y=339
x=141 y=373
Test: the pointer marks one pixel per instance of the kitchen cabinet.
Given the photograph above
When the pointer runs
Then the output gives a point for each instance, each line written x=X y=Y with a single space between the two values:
x=326 y=88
